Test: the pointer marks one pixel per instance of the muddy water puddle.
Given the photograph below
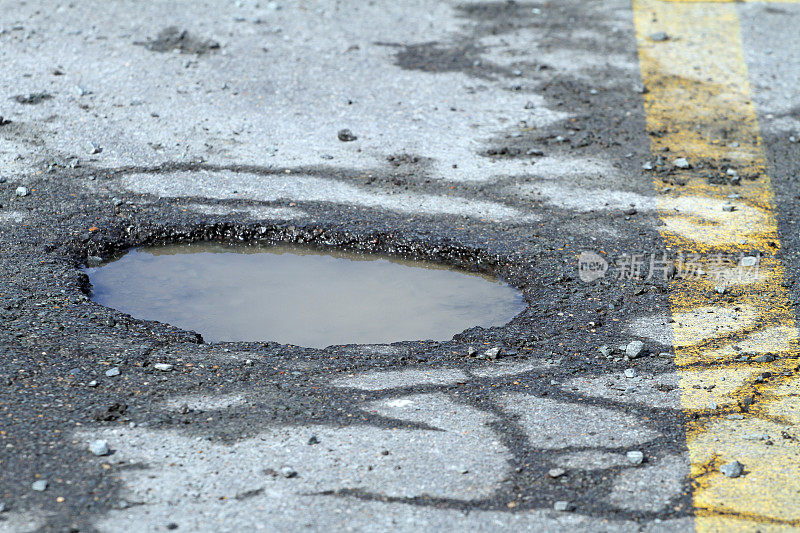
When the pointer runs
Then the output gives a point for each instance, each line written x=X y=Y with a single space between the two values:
x=301 y=296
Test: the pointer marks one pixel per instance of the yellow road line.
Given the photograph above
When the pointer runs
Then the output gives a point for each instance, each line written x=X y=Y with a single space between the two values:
x=699 y=107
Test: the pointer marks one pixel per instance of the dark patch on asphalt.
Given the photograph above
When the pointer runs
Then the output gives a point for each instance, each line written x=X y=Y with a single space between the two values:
x=436 y=57
x=32 y=98
x=172 y=38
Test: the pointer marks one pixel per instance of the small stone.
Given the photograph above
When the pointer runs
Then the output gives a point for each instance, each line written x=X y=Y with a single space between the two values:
x=659 y=36
x=530 y=105
x=634 y=349
x=562 y=506
x=22 y=191
x=99 y=447
x=648 y=165
x=288 y=473
x=492 y=353
x=92 y=383
x=681 y=162
x=630 y=372
x=3 y=507
x=163 y=367
x=535 y=152
x=556 y=472
x=729 y=208
x=630 y=211
x=346 y=135
x=32 y=98
x=605 y=350
x=720 y=289
x=313 y=440
x=111 y=372
x=635 y=457
x=40 y=485
x=749 y=261
x=732 y=469
x=93 y=148
x=471 y=351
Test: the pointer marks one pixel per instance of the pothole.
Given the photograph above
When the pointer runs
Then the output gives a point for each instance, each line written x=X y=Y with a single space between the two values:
x=298 y=295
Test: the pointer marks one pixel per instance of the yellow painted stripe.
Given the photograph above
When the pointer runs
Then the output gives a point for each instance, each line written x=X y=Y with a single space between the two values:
x=698 y=106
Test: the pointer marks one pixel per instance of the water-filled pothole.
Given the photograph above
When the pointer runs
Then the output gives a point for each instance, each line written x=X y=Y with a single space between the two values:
x=301 y=296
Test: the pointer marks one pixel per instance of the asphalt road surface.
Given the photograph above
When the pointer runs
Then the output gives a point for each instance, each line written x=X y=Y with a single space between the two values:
x=631 y=167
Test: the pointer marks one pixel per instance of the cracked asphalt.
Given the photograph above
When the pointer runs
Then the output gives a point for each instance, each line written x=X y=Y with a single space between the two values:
x=500 y=137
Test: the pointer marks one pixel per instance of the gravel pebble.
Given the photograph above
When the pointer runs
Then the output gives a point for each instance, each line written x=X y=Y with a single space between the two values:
x=346 y=135
x=562 y=505
x=111 y=372
x=635 y=457
x=681 y=162
x=22 y=191
x=99 y=447
x=634 y=349
x=732 y=469
x=92 y=148
x=288 y=473
x=492 y=353
x=164 y=367
x=40 y=485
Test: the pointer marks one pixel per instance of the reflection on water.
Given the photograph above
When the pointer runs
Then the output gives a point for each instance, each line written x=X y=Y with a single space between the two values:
x=301 y=296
